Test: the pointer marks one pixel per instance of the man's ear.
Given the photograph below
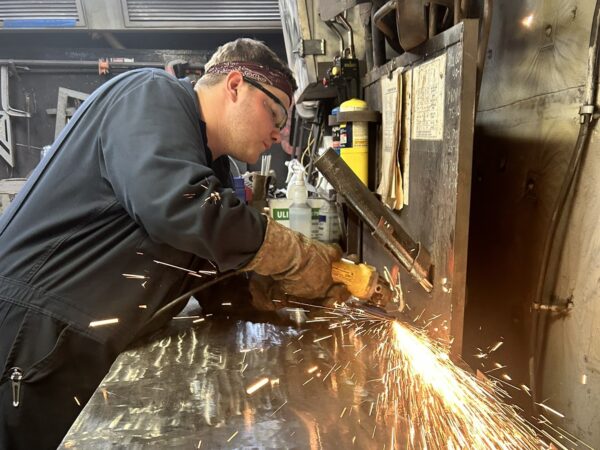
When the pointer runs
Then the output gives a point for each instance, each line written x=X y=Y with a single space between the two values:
x=233 y=82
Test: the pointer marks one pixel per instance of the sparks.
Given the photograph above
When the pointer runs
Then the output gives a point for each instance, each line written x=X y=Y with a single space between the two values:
x=527 y=21
x=553 y=411
x=273 y=413
x=496 y=346
x=257 y=385
x=462 y=409
x=99 y=323
x=133 y=276
x=172 y=266
x=232 y=436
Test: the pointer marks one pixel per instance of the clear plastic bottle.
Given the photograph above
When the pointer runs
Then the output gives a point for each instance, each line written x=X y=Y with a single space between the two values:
x=300 y=212
x=328 y=223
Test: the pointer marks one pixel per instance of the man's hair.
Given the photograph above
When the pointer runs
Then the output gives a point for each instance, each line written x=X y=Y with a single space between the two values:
x=245 y=49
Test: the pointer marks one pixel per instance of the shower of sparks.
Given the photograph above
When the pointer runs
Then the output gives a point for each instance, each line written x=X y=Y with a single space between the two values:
x=257 y=385
x=99 y=323
x=445 y=406
x=77 y=401
x=143 y=306
x=201 y=319
x=425 y=393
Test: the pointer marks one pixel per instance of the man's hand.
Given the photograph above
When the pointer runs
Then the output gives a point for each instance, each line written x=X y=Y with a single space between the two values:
x=268 y=295
x=301 y=266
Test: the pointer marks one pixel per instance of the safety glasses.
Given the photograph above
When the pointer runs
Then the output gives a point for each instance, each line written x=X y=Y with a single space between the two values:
x=279 y=112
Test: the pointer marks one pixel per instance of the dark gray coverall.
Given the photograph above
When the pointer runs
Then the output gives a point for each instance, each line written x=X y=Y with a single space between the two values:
x=126 y=185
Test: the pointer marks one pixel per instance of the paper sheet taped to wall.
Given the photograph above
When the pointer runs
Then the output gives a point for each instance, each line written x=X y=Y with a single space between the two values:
x=428 y=89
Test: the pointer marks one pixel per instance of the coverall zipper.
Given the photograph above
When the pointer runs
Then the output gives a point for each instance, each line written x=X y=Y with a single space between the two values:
x=16 y=375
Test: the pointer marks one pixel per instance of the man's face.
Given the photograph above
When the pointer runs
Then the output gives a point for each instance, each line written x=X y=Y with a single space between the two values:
x=255 y=120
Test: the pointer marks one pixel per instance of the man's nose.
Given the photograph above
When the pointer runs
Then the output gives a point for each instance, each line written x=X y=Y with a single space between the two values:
x=276 y=136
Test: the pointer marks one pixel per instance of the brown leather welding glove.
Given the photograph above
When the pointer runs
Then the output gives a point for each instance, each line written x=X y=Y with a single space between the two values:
x=300 y=265
x=268 y=295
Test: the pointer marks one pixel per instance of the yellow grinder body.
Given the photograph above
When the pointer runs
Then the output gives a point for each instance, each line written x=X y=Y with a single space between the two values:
x=360 y=279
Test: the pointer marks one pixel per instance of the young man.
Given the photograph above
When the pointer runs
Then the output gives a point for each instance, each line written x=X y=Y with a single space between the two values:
x=136 y=184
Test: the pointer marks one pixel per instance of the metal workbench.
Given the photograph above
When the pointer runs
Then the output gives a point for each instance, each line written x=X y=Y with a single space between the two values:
x=187 y=387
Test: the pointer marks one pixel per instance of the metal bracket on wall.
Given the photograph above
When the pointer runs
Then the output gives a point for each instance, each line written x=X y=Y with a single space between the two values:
x=6 y=141
x=311 y=47
x=62 y=110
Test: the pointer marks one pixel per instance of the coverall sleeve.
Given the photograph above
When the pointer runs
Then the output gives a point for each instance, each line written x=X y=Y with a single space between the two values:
x=156 y=162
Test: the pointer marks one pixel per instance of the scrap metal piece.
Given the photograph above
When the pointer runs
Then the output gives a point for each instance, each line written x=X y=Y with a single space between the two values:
x=311 y=47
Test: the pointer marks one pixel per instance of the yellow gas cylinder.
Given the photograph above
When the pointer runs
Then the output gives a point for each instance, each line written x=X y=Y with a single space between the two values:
x=354 y=140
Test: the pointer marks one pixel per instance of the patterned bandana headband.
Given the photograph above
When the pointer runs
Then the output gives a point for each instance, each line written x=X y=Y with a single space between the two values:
x=257 y=72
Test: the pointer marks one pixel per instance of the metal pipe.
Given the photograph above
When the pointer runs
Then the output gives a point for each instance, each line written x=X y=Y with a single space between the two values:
x=346 y=25
x=368 y=27
x=553 y=245
x=79 y=64
x=415 y=259
x=330 y=23
x=458 y=14
x=378 y=40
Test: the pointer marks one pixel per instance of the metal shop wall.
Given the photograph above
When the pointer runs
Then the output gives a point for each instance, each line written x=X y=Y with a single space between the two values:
x=34 y=89
x=526 y=128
